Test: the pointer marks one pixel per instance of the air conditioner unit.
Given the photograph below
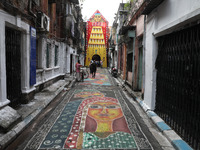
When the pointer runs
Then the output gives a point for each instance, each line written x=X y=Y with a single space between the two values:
x=43 y=22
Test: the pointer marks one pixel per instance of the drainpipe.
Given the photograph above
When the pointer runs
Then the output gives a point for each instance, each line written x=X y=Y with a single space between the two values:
x=133 y=63
x=117 y=49
x=143 y=63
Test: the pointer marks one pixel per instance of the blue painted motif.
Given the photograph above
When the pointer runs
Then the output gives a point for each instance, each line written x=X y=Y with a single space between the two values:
x=163 y=126
x=181 y=145
x=33 y=56
x=60 y=130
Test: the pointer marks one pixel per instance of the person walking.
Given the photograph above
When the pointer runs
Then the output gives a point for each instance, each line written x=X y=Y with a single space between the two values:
x=78 y=66
x=93 y=69
x=101 y=63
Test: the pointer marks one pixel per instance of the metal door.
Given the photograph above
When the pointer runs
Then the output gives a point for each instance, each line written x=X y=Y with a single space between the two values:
x=13 y=66
x=178 y=83
x=71 y=63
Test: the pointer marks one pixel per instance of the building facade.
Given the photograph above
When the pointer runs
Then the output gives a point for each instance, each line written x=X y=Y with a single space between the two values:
x=158 y=49
x=127 y=43
x=157 y=56
x=117 y=49
x=40 y=43
x=172 y=67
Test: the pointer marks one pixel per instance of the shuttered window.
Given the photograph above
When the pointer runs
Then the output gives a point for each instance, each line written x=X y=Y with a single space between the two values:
x=48 y=56
x=56 y=56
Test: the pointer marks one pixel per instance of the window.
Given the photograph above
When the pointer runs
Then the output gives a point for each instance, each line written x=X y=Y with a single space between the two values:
x=56 y=56
x=129 y=60
x=48 y=56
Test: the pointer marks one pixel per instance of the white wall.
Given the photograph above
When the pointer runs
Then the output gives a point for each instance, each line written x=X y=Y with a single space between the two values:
x=45 y=74
x=3 y=96
x=67 y=59
x=82 y=58
x=174 y=14
x=168 y=17
x=16 y=23
x=150 y=65
x=61 y=56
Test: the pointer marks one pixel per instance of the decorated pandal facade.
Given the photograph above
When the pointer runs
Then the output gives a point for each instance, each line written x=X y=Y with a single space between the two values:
x=97 y=38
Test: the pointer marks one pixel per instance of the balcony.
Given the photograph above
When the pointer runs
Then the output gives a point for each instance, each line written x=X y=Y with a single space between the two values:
x=151 y=5
x=125 y=29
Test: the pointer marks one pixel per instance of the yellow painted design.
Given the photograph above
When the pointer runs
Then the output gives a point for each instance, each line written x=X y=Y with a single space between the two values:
x=105 y=113
x=104 y=127
x=96 y=45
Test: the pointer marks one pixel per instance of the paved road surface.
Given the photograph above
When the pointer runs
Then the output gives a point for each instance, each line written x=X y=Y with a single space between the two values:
x=94 y=114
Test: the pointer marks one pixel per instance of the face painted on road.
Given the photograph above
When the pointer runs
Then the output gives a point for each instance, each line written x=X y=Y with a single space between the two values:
x=105 y=111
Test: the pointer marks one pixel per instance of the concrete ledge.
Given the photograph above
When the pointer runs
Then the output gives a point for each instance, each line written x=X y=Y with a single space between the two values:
x=181 y=145
x=8 y=118
x=162 y=126
x=151 y=114
x=144 y=106
x=156 y=119
x=171 y=135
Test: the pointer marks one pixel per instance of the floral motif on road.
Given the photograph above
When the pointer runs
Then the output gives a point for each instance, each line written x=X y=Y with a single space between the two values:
x=100 y=79
x=88 y=93
x=61 y=128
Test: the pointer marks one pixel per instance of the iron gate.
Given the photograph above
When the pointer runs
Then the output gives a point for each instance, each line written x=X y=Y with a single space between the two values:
x=13 y=66
x=178 y=83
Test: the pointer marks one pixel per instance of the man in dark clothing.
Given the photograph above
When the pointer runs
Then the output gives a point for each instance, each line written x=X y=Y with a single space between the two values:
x=93 y=69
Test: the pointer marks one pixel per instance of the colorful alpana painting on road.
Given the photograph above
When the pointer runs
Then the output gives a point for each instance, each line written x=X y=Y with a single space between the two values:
x=87 y=93
x=100 y=79
x=90 y=123
x=101 y=124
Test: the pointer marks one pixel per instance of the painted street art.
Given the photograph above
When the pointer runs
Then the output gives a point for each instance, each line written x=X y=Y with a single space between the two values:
x=88 y=93
x=91 y=118
x=100 y=79
x=96 y=38
x=97 y=124
x=90 y=122
x=59 y=132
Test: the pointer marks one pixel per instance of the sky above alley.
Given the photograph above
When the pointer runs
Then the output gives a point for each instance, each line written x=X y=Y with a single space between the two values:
x=108 y=8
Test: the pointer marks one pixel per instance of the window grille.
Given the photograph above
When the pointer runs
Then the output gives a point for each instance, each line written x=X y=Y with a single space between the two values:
x=48 y=56
x=56 y=56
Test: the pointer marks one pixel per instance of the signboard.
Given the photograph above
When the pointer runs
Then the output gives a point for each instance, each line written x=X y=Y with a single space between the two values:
x=32 y=56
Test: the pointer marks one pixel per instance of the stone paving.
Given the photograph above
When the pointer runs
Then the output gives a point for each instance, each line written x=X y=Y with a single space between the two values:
x=93 y=115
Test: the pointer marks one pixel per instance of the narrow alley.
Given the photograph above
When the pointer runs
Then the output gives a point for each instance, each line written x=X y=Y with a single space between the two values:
x=94 y=114
x=145 y=95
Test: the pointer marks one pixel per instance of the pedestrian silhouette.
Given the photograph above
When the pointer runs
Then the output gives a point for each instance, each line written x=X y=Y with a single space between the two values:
x=93 y=69
x=78 y=66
